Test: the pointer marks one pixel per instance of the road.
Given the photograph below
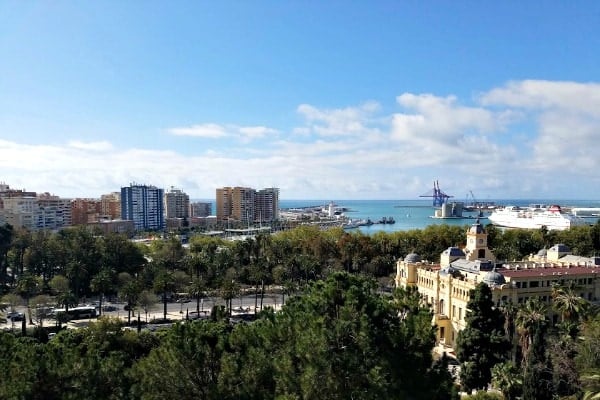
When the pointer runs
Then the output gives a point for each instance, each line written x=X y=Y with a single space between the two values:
x=174 y=310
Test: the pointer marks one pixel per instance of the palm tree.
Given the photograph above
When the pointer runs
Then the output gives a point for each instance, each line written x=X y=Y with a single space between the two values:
x=507 y=378
x=101 y=283
x=531 y=319
x=230 y=288
x=509 y=310
x=27 y=286
x=64 y=295
x=197 y=289
x=164 y=283
x=569 y=305
x=591 y=386
x=146 y=301
x=129 y=291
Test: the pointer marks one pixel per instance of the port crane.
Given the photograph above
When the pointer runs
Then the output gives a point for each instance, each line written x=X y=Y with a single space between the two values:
x=439 y=197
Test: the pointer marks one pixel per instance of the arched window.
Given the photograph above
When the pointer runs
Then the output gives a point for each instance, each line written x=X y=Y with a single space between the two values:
x=442 y=309
x=481 y=253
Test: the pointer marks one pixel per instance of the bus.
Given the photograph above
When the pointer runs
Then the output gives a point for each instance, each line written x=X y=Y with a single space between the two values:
x=84 y=312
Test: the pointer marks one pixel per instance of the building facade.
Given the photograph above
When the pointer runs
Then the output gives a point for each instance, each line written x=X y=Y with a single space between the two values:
x=143 y=205
x=242 y=204
x=31 y=211
x=177 y=204
x=111 y=206
x=85 y=211
x=445 y=286
x=200 y=209
x=267 y=205
x=223 y=203
x=247 y=205
x=54 y=212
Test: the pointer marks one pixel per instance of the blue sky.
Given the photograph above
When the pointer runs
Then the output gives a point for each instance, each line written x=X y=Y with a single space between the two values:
x=325 y=100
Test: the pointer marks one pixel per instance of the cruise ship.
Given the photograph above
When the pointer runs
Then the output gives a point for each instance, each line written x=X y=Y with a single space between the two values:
x=534 y=217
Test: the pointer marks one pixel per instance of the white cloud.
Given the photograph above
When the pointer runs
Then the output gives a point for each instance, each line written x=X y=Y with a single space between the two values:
x=254 y=132
x=97 y=146
x=350 y=121
x=216 y=131
x=580 y=98
x=520 y=140
x=567 y=117
x=441 y=119
x=204 y=130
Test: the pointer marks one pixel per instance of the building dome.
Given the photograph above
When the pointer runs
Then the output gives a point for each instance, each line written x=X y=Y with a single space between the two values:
x=476 y=228
x=543 y=252
x=494 y=278
x=560 y=248
x=412 y=258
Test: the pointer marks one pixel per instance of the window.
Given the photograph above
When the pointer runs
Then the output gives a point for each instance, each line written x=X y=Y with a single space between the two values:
x=524 y=285
x=534 y=284
x=442 y=332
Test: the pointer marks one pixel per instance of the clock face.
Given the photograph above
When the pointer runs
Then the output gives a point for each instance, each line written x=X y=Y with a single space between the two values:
x=472 y=241
x=480 y=240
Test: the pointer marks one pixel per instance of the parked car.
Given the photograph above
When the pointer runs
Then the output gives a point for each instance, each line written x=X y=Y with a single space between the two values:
x=202 y=315
x=15 y=316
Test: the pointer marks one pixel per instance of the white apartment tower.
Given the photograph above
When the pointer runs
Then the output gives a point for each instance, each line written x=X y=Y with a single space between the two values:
x=28 y=210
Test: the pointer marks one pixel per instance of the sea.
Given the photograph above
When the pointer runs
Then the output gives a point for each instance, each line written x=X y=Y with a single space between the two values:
x=418 y=214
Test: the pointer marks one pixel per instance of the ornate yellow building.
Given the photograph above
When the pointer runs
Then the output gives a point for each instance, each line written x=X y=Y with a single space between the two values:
x=445 y=285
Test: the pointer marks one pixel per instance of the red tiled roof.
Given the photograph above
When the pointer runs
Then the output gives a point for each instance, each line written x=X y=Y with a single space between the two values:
x=549 y=271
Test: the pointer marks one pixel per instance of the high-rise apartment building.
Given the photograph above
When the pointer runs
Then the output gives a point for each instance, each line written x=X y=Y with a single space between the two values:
x=143 y=205
x=85 y=211
x=54 y=212
x=200 y=209
x=223 y=203
x=20 y=211
x=111 y=206
x=33 y=212
x=267 y=205
x=242 y=204
x=247 y=205
x=177 y=204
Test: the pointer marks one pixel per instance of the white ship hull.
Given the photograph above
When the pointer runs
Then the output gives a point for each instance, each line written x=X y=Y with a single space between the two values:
x=535 y=218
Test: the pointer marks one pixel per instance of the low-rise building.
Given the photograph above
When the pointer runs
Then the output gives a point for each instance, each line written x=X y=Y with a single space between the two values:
x=445 y=286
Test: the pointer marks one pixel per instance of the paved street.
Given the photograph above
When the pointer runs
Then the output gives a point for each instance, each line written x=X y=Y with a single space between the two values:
x=175 y=311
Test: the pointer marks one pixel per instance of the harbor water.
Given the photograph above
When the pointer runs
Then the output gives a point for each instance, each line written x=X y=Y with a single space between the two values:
x=417 y=214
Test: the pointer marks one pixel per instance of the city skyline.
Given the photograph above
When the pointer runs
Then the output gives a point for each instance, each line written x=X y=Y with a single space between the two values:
x=331 y=100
